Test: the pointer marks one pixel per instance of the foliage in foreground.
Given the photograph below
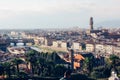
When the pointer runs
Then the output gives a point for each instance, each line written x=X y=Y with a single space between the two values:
x=48 y=66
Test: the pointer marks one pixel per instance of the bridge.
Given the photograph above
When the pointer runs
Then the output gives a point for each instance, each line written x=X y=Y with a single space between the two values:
x=4 y=43
x=25 y=41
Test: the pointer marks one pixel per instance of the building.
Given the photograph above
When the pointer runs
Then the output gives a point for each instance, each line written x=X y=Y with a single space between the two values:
x=116 y=50
x=13 y=33
x=48 y=41
x=55 y=44
x=76 y=45
x=94 y=35
x=108 y=48
x=99 y=48
x=16 y=50
x=91 y=23
x=113 y=76
x=90 y=47
x=42 y=41
x=77 y=60
x=60 y=44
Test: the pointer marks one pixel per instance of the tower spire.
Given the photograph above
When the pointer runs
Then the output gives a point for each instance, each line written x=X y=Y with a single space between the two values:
x=91 y=23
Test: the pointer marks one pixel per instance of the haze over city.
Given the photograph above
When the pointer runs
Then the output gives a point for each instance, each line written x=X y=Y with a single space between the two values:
x=59 y=40
x=31 y=14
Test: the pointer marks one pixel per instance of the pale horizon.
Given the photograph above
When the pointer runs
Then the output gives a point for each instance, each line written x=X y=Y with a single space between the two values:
x=34 y=14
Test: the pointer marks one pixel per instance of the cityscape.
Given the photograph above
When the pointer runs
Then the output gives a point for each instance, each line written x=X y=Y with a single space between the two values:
x=88 y=53
x=59 y=40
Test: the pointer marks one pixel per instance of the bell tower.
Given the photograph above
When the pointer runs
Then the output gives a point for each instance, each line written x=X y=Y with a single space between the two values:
x=91 y=23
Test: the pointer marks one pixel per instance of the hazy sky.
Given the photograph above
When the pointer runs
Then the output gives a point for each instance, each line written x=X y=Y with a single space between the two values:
x=58 y=13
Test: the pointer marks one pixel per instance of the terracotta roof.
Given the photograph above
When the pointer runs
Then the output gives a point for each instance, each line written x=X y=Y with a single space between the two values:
x=79 y=57
x=76 y=64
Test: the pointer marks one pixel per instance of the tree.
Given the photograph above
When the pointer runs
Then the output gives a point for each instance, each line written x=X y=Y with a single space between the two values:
x=53 y=56
x=16 y=62
x=50 y=66
x=7 y=68
x=88 y=65
x=1 y=69
x=96 y=74
x=78 y=76
x=41 y=62
x=59 y=70
x=114 y=60
x=32 y=59
x=100 y=72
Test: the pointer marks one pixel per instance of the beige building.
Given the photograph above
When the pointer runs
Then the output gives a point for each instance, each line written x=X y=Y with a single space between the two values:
x=76 y=46
x=36 y=41
x=118 y=43
x=99 y=48
x=31 y=36
x=55 y=44
x=104 y=48
x=23 y=34
x=42 y=40
x=90 y=47
x=80 y=47
x=60 y=44
x=64 y=45
x=13 y=33
x=88 y=32
x=116 y=50
x=108 y=49
x=94 y=35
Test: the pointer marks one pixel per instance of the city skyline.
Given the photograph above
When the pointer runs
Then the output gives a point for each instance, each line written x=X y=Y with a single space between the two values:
x=29 y=14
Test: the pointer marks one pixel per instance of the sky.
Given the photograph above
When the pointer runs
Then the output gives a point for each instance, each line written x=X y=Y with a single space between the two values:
x=34 y=14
